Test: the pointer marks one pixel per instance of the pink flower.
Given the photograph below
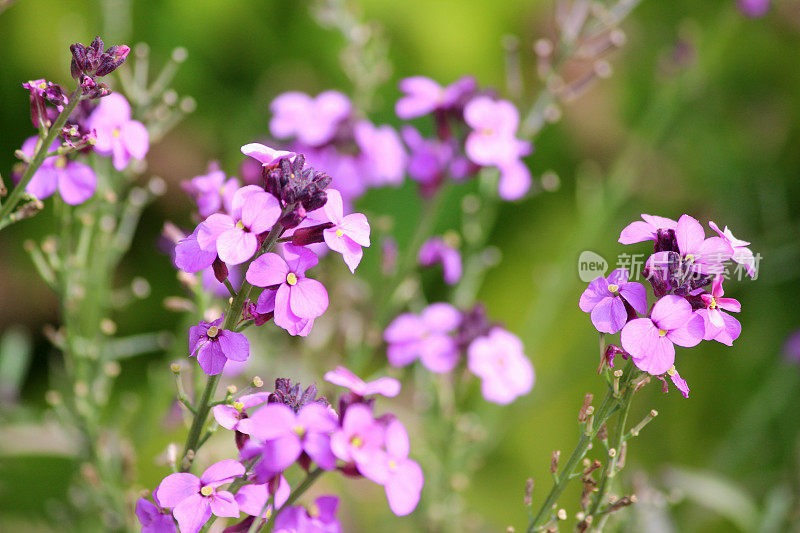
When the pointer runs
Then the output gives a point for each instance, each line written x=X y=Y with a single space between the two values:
x=253 y=497
x=494 y=126
x=313 y=121
x=286 y=435
x=437 y=250
x=343 y=377
x=360 y=438
x=189 y=257
x=701 y=255
x=719 y=325
x=645 y=231
x=235 y=236
x=753 y=8
x=605 y=299
x=401 y=477
x=76 y=182
x=319 y=517
x=298 y=299
x=214 y=346
x=229 y=416
x=426 y=336
x=193 y=500
x=423 y=95
x=348 y=233
x=741 y=253
x=651 y=340
x=498 y=359
x=383 y=157
x=152 y=519
x=212 y=191
x=118 y=135
x=268 y=157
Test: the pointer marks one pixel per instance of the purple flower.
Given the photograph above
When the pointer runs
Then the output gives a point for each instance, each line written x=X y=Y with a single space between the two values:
x=268 y=157
x=383 y=157
x=298 y=299
x=791 y=347
x=645 y=231
x=152 y=519
x=423 y=95
x=429 y=158
x=212 y=191
x=605 y=299
x=320 y=517
x=701 y=255
x=498 y=359
x=253 y=497
x=286 y=435
x=229 y=416
x=436 y=250
x=401 y=477
x=118 y=135
x=313 y=121
x=678 y=381
x=193 y=499
x=515 y=179
x=348 y=233
x=343 y=377
x=651 y=340
x=741 y=253
x=234 y=237
x=360 y=438
x=719 y=325
x=75 y=181
x=189 y=257
x=753 y=8
x=214 y=346
x=494 y=126
x=43 y=92
x=426 y=336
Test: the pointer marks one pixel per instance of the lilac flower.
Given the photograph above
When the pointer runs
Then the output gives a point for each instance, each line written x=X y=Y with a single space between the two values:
x=360 y=438
x=346 y=169
x=194 y=499
x=313 y=121
x=189 y=257
x=76 y=182
x=429 y=158
x=639 y=231
x=401 y=477
x=494 y=125
x=235 y=236
x=212 y=190
x=383 y=157
x=152 y=519
x=436 y=250
x=229 y=416
x=753 y=8
x=498 y=359
x=118 y=135
x=253 y=497
x=719 y=325
x=268 y=157
x=423 y=95
x=348 y=233
x=298 y=299
x=426 y=336
x=343 y=377
x=605 y=299
x=320 y=517
x=286 y=435
x=214 y=346
x=741 y=253
x=701 y=255
x=651 y=340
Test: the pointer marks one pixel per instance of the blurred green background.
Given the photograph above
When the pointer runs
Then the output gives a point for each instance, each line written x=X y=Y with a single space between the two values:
x=701 y=116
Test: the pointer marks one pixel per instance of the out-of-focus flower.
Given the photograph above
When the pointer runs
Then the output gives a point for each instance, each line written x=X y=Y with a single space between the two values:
x=382 y=157
x=605 y=299
x=319 y=517
x=360 y=438
x=230 y=415
x=426 y=336
x=437 y=250
x=753 y=8
x=194 y=499
x=214 y=346
x=76 y=182
x=252 y=498
x=499 y=360
x=313 y=121
x=423 y=95
x=429 y=159
x=212 y=191
x=741 y=253
x=118 y=135
x=343 y=377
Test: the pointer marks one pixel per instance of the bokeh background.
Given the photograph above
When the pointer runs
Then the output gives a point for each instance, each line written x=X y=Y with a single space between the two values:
x=701 y=115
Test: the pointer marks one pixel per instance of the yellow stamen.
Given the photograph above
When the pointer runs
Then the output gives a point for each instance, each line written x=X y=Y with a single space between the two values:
x=291 y=278
x=207 y=491
x=313 y=510
x=212 y=332
x=115 y=132
x=713 y=304
x=300 y=431
x=357 y=441
x=43 y=85
x=238 y=406
x=339 y=233
x=240 y=225
x=672 y=371
x=662 y=332
x=61 y=162
x=392 y=464
x=689 y=258
x=613 y=289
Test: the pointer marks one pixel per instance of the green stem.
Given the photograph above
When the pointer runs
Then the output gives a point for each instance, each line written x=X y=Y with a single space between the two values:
x=231 y=318
x=41 y=153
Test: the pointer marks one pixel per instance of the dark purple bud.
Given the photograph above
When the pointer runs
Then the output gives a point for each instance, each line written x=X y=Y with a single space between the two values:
x=241 y=527
x=315 y=200
x=666 y=241
x=293 y=217
x=55 y=95
x=96 y=48
x=220 y=270
x=310 y=235
x=613 y=350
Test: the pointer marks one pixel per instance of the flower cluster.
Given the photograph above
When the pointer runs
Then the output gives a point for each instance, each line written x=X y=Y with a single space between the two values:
x=437 y=250
x=441 y=334
x=91 y=62
x=293 y=204
x=274 y=431
x=685 y=274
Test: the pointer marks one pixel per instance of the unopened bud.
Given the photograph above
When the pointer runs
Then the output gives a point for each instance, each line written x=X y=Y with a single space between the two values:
x=257 y=382
x=175 y=367
x=232 y=389
x=562 y=514
x=554 y=461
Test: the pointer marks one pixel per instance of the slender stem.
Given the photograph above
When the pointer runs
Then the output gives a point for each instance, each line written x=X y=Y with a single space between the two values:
x=310 y=479
x=41 y=153
x=231 y=318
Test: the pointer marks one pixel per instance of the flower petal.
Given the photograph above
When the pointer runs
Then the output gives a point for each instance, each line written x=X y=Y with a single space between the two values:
x=192 y=513
x=308 y=298
x=267 y=270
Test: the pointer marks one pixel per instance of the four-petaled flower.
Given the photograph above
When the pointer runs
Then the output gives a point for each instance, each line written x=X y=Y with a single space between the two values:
x=423 y=95
x=348 y=233
x=498 y=359
x=700 y=255
x=213 y=346
x=76 y=182
x=118 y=135
x=360 y=438
x=605 y=299
x=319 y=517
x=741 y=253
x=426 y=336
x=313 y=121
x=719 y=325
x=230 y=415
x=152 y=519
